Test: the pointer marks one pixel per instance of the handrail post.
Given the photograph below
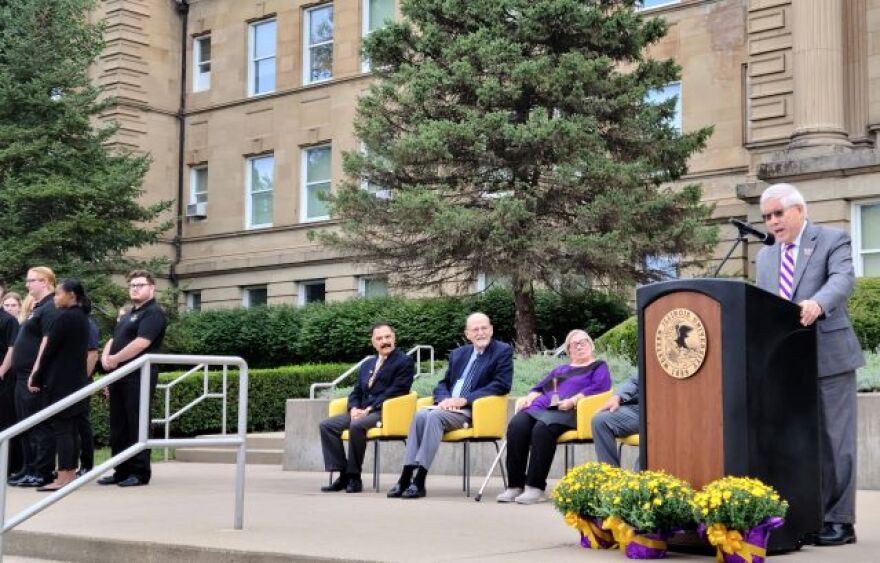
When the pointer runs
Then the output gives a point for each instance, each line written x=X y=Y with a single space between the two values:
x=167 y=418
x=224 y=399
x=4 y=470
x=242 y=447
x=144 y=425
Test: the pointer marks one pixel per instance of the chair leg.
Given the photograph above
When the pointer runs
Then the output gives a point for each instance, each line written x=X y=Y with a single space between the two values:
x=330 y=482
x=467 y=469
x=377 y=466
x=620 y=451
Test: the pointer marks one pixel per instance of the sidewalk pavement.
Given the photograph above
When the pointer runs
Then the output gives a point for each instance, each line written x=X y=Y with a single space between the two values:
x=186 y=514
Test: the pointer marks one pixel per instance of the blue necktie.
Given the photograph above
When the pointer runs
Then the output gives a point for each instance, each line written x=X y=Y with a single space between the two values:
x=466 y=379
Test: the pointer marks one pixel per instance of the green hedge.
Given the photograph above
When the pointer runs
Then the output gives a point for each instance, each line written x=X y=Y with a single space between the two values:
x=621 y=340
x=268 y=390
x=279 y=335
x=864 y=307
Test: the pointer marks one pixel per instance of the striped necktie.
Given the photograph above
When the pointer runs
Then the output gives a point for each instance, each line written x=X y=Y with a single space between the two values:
x=786 y=272
x=372 y=379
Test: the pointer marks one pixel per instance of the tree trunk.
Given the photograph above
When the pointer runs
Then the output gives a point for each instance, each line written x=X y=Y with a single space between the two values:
x=524 y=303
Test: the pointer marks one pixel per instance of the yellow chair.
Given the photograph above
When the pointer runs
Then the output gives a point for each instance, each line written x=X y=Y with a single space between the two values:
x=631 y=440
x=488 y=424
x=583 y=434
x=397 y=415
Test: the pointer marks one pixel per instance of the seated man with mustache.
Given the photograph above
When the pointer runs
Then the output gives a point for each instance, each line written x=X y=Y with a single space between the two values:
x=389 y=374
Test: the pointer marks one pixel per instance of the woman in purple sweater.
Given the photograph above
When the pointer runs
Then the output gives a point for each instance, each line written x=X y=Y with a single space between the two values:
x=547 y=412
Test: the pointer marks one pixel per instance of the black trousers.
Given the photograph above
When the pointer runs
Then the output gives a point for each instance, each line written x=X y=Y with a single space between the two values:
x=38 y=443
x=86 y=439
x=331 y=441
x=124 y=412
x=531 y=442
x=66 y=431
x=8 y=418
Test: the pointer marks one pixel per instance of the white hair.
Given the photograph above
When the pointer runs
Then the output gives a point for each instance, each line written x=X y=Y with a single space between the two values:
x=787 y=194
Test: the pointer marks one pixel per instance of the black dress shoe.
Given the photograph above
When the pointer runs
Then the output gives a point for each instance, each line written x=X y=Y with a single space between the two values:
x=413 y=492
x=834 y=533
x=354 y=486
x=396 y=491
x=16 y=479
x=809 y=538
x=108 y=480
x=32 y=481
x=338 y=485
x=133 y=481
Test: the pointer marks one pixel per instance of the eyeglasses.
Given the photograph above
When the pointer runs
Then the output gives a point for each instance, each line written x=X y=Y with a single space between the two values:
x=33 y=280
x=137 y=285
x=777 y=213
x=579 y=343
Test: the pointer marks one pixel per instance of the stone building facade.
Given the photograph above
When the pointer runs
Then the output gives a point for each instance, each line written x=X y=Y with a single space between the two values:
x=246 y=108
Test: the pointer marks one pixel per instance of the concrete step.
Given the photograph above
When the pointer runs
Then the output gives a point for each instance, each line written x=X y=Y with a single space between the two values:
x=262 y=449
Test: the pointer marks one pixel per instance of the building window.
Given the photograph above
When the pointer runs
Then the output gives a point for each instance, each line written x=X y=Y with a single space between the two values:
x=647 y=4
x=664 y=267
x=312 y=292
x=193 y=300
x=376 y=13
x=318 y=48
x=315 y=184
x=493 y=281
x=660 y=95
x=373 y=286
x=261 y=56
x=866 y=238
x=255 y=296
x=260 y=188
x=198 y=184
x=381 y=192
x=202 y=63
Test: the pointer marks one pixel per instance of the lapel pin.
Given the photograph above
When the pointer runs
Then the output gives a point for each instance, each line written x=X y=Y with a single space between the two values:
x=808 y=251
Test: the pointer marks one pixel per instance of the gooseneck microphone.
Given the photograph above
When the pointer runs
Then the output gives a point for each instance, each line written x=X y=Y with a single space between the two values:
x=746 y=229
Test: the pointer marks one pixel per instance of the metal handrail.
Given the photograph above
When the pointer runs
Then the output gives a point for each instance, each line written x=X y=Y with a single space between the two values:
x=167 y=387
x=144 y=363
x=417 y=350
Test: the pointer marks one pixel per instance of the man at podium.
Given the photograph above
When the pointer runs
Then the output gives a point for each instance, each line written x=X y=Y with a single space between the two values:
x=811 y=265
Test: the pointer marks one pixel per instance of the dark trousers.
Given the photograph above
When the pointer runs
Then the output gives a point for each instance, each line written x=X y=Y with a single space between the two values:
x=66 y=431
x=331 y=441
x=38 y=443
x=124 y=413
x=86 y=440
x=531 y=442
x=837 y=443
x=8 y=418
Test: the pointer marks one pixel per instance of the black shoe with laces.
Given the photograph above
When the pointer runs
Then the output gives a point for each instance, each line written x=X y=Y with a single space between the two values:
x=338 y=485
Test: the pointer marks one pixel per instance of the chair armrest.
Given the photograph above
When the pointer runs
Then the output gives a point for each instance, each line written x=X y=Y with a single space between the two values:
x=586 y=408
x=490 y=416
x=338 y=406
x=424 y=402
x=397 y=414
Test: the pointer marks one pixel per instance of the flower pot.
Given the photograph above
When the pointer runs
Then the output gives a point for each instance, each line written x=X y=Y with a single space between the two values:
x=744 y=547
x=643 y=545
x=592 y=534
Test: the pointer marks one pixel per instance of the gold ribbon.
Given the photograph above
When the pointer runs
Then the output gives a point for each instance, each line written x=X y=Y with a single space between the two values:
x=588 y=528
x=731 y=542
x=624 y=534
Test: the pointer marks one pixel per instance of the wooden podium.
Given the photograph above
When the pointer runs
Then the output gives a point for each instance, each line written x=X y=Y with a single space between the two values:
x=750 y=407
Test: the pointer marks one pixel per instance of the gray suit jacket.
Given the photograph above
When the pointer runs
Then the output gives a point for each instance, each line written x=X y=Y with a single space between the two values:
x=824 y=273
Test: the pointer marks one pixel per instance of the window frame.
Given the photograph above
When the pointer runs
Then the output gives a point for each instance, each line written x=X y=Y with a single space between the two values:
x=857 y=251
x=362 y=285
x=301 y=291
x=193 y=172
x=307 y=47
x=249 y=193
x=678 y=123
x=365 y=30
x=252 y=60
x=304 y=184
x=197 y=64
x=641 y=7
x=246 y=295
x=191 y=297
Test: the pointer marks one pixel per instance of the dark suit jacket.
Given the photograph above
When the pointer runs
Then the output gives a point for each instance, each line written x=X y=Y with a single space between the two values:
x=823 y=272
x=394 y=379
x=493 y=372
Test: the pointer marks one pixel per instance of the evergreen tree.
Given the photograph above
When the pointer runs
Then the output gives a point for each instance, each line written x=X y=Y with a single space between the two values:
x=67 y=200
x=516 y=137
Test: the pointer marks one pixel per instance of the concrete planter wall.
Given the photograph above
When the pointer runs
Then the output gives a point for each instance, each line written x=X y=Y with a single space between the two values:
x=302 y=450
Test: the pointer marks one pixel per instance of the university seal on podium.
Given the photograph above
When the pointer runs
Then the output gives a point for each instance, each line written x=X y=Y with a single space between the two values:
x=680 y=343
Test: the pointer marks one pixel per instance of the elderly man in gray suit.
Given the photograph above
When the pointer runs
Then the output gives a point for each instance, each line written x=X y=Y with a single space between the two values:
x=812 y=266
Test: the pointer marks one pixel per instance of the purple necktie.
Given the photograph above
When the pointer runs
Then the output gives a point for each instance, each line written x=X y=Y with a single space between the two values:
x=786 y=272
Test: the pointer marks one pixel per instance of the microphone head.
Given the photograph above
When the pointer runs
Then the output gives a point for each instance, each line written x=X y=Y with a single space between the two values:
x=769 y=239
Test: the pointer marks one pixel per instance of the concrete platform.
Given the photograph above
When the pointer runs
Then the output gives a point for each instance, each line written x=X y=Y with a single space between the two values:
x=265 y=448
x=186 y=515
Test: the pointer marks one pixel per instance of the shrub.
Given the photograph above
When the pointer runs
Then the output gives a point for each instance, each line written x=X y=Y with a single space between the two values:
x=621 y=340
x=864 y=307
x=278 y=335
x=268 y=391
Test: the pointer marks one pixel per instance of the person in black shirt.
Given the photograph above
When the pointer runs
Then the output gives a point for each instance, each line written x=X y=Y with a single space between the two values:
x=8 y=332
x=37 y=444
x=60 y=370
x=139 y=332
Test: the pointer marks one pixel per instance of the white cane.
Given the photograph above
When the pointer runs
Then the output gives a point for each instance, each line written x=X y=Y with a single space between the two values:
x=491 y=470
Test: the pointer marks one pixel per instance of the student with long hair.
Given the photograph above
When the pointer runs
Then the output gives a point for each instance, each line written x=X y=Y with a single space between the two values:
x=61 y=370
x=12 y=303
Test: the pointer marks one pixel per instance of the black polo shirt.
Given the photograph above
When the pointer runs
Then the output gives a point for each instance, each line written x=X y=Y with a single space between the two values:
x=147 y=321
x=8 y=332
x=30 y=334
